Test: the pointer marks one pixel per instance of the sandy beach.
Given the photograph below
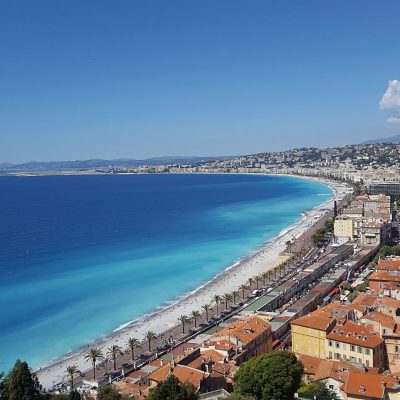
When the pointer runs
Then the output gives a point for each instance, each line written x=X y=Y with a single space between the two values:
x=261 y=260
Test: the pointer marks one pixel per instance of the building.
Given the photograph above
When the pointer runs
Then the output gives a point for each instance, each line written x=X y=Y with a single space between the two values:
x=309 y=335
x=343 y=229
x=360 y=385
x=374 y=233
x=252 y=337
x=350 y=341
x=384 y=187
x=381 y=280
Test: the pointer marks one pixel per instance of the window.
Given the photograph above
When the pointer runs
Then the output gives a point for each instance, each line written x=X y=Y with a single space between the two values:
x=360 y=361
x=337 y=356
x=367 y=352
x=359 y=349
x=384 y=331
x=330 y=355
x=330 y=343
x=331 y=387
x=352 y=347
x=337 y=345
x=367 y=363
x=344 y=346
x=396 y=349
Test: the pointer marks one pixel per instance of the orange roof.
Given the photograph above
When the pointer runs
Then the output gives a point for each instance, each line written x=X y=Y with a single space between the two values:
x=389 y=265
x=387 y=276
x=221 y=344
x=191 y=375
x=182 y=372
x=358 y=334
x=245 y=330
x=139 y=392
x=310 y=364
x=314 y=322
x=384 y=319
x=209 y=355
x=365 y=300
x=389 y=301
x=371 y=386
x=161 y=373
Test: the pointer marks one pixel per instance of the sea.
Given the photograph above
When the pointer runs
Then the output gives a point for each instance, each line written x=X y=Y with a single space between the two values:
x=80 y=256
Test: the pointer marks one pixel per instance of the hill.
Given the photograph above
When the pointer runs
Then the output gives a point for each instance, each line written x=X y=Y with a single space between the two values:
x=390 y=139
x=99 y=164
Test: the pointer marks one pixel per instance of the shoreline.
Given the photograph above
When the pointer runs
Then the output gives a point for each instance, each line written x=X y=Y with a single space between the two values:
x=164 y=318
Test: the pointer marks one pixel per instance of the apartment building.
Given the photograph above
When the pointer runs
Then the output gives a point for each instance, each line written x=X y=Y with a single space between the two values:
x=350 y=341
x=309 y=334
x=252 y=336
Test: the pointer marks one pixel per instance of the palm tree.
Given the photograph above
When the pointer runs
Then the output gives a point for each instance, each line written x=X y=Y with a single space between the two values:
x=243 y=288
x=264 y=277
x=250 y=281
x=227 y=297
x=257 y=279
x=150 y=336
x=234 y=294
x=195 y=315
x=133 y=344
x=183 y=319
x=94 y=355
x=289 y=246
x=206 y=308
x=71 y=371
x=114 y=351
x=270 y=272
x=217 y=299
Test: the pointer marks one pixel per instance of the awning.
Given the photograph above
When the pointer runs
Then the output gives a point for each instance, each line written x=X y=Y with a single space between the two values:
x=332 y=292
x=275 y=342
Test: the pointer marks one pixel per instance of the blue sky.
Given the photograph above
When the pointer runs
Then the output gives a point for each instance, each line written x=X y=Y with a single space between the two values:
x=111 y=79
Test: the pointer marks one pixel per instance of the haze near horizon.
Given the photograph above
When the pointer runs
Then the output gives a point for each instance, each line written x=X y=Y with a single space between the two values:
x=145 y=79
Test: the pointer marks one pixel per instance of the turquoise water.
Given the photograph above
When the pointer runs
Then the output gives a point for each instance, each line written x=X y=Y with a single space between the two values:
x=82 y=255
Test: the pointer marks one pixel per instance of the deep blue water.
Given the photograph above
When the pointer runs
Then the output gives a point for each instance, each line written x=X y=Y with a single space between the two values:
x=81 y=255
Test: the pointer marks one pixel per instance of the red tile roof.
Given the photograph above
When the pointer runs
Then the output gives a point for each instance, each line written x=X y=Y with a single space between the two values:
x=358 y=334
x=245 y=330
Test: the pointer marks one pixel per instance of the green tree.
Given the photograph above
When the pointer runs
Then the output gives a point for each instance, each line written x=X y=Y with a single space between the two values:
x=94 y=355
x=21 y=384
x=234 y=294
x=195 y=315
x=72 y=370
x=114 y=351
x=108 y=392
x=206 y=308
x=149 y=337
x=133 y=344
x=319 y=390
x=74 y=395
x=3 y=387
x=274 y=376
x=217 y=299
x=250 y=282
x=227 y=297
x=172 y=389
x=243 y=288
x=183 y=319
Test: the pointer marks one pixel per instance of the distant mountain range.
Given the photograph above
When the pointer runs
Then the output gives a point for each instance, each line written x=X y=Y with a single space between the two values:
x=49 y=166
x=390 y=139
